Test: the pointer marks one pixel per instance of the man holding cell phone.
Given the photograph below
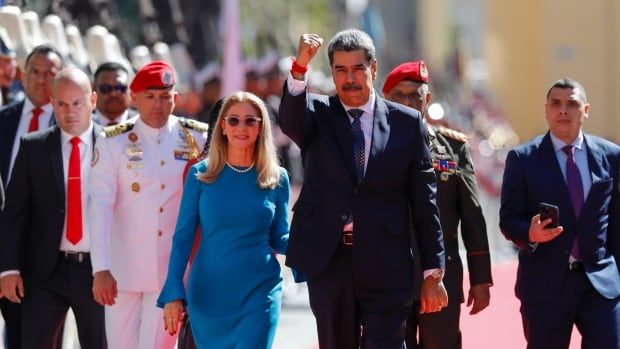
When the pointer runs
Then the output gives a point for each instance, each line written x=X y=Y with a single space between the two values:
x=567 y=274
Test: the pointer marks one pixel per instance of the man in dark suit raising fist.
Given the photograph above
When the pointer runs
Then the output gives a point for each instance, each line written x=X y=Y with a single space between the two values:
x=45 y=251
x=368 y=180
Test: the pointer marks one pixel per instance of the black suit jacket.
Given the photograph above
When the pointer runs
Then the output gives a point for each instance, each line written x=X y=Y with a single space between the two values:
x=532 y=176
x=33 y=219
x=398 y=189
x=9 y=120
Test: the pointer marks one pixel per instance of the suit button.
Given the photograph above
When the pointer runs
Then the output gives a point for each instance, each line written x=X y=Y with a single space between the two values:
x=159 y=233
x=566 y=252
x=163 y=186
x=62 y=210
x=449 y=258
x=344 y=217
x=356 y=190
x=161 y=209
x=162 y=162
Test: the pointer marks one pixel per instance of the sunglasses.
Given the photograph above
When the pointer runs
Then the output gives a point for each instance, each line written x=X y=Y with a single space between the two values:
x=251 y=121
x=107 y=88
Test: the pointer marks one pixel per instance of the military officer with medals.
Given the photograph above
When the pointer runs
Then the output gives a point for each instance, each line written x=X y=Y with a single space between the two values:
x=135 y=190
x=457 y=199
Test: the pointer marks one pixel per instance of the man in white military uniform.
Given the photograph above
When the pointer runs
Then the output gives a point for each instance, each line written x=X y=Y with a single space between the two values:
x=135 y=190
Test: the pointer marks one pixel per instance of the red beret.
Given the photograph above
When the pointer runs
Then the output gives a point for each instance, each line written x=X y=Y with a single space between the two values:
x=415 y=71
x=157 y=74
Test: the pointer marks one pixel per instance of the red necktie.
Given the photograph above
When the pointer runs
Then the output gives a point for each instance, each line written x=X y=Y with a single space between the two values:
x=74 y=195
x=34 y=122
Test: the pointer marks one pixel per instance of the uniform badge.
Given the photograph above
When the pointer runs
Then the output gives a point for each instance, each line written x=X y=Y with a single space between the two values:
x=444 y=166
x=444 y=176
x=182 y=155
x=135 y=165
x=166 y=78
x=133 y=137
x=133 y=151
x=135 y=187
x=423 y=71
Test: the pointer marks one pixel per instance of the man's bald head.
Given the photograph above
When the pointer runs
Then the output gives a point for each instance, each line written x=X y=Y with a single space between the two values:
x=73 y=100
x=73 y=76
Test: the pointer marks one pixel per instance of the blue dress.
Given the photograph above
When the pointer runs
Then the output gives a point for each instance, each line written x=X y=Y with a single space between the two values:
x=234 y=291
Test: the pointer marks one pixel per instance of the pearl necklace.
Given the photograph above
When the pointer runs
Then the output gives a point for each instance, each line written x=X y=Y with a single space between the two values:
x=238 y=170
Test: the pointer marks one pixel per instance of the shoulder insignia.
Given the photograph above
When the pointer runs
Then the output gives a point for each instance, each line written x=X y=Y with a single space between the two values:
x=452 y=134
x=115 y=130
x=194 y=124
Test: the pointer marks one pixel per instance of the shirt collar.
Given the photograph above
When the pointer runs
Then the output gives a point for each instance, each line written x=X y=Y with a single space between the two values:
x=559 y=144
x=154 y=131
x=121 y=118
x=28 y=106
x=85 y=137
x=368 y=108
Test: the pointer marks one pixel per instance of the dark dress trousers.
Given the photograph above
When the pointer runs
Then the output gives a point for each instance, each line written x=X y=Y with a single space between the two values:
x=369 y=283
x=31 y=231
x=458 y=202
x=552 y=296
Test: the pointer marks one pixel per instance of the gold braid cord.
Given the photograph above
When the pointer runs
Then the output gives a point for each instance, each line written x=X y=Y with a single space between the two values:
x=194 y=152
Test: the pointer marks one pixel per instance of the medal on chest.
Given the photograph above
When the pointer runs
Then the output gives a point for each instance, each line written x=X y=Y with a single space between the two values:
x=442 y=162
x=134 y=152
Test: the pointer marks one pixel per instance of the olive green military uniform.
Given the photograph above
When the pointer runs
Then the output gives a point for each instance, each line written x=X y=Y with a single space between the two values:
x=457 y=199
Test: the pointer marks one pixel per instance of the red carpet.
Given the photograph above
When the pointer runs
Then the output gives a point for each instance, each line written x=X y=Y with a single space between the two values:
x=499 y=326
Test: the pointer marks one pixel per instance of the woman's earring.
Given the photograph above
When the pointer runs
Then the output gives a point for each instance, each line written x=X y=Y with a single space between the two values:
x=224 y=132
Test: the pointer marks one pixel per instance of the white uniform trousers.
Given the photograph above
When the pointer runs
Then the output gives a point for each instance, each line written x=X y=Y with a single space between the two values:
x=134 y=322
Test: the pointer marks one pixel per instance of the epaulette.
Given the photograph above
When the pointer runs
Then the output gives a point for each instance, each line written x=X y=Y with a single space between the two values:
x=450 y=133
x=115 y=130
x=194 y=124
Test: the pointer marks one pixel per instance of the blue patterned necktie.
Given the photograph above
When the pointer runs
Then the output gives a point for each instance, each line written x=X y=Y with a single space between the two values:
x=359 y=155
x=575 y=188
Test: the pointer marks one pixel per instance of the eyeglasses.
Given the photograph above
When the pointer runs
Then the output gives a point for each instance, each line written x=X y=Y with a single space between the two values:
x=251 y=121
x=107 y=88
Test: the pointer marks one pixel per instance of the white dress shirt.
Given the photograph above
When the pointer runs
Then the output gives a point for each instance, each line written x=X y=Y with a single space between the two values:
x=104 y=121
x=86 y=155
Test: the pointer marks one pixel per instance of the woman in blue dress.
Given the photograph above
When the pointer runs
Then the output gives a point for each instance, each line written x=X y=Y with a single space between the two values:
x=239 y=198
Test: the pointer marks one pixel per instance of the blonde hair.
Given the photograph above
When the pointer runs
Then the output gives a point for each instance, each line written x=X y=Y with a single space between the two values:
x=265 y=156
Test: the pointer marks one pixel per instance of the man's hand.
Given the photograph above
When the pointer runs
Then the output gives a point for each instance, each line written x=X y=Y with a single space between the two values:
x=538 y=232
x=172 y=316
x=433 y=296
x=12 y=287
x=308 y=46
x=480 y=297
x=104 y=288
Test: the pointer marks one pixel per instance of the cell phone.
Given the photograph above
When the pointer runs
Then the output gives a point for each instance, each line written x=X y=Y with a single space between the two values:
x=550 y=211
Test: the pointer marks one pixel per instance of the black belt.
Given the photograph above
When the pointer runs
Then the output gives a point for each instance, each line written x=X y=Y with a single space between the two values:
x=575 y=266
x=75 y=257
x=347 y=238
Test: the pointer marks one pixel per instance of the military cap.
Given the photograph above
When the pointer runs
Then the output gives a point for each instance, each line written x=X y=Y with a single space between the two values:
x=157 y=75
x=415 y=71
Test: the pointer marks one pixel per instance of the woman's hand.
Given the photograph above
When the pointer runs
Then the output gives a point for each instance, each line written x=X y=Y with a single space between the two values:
x=172 y=316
